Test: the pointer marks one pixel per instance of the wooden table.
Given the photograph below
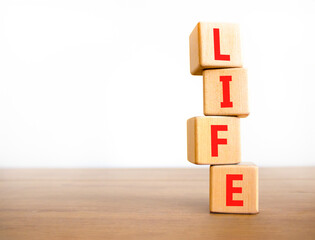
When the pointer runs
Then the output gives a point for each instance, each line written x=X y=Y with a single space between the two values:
x=148 y=204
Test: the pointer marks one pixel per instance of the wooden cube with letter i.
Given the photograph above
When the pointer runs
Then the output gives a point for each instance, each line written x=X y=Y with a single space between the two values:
x=225 y=92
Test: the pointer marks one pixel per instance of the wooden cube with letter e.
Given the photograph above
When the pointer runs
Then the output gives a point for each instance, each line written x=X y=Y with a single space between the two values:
x=213 y=140
x=225 y=92
x=214 y=45
x=234 y=188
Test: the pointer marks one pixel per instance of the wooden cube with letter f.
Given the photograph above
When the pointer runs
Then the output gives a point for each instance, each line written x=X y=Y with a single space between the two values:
x=234 y=188
x=213 y=140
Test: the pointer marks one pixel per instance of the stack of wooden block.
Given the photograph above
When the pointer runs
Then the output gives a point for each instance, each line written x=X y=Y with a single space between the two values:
x=214 y=139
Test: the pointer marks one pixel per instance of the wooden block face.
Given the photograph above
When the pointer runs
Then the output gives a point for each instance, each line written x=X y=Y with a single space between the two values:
x=234 y=188
x=225 y=92
x=213 y=140
x=214 y=45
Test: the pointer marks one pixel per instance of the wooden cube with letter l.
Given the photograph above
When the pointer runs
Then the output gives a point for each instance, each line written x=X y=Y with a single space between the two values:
x=234 y=188
x=225 y=92
x=213 y=140
x=214 y=45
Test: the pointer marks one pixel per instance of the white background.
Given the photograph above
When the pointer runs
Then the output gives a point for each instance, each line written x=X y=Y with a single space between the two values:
x=107 y=83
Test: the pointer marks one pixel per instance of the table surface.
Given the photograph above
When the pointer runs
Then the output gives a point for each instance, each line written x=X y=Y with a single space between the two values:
x=172 y=204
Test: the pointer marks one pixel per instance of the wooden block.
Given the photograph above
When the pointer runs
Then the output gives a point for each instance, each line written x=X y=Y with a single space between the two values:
x=225 y=92
x=213 y=140
x=234 y=188
x=214 y=45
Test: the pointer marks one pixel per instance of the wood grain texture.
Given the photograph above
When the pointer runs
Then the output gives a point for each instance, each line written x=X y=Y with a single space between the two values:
x=213 y=92
x=98 y=204
x=199 y=142
x=249 y=185
x=201 y=45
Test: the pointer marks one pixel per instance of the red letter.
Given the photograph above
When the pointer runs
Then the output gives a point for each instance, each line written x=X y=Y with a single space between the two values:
x=215 y=141
x=217 y=52
x=226 y=91
x=230 y=190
